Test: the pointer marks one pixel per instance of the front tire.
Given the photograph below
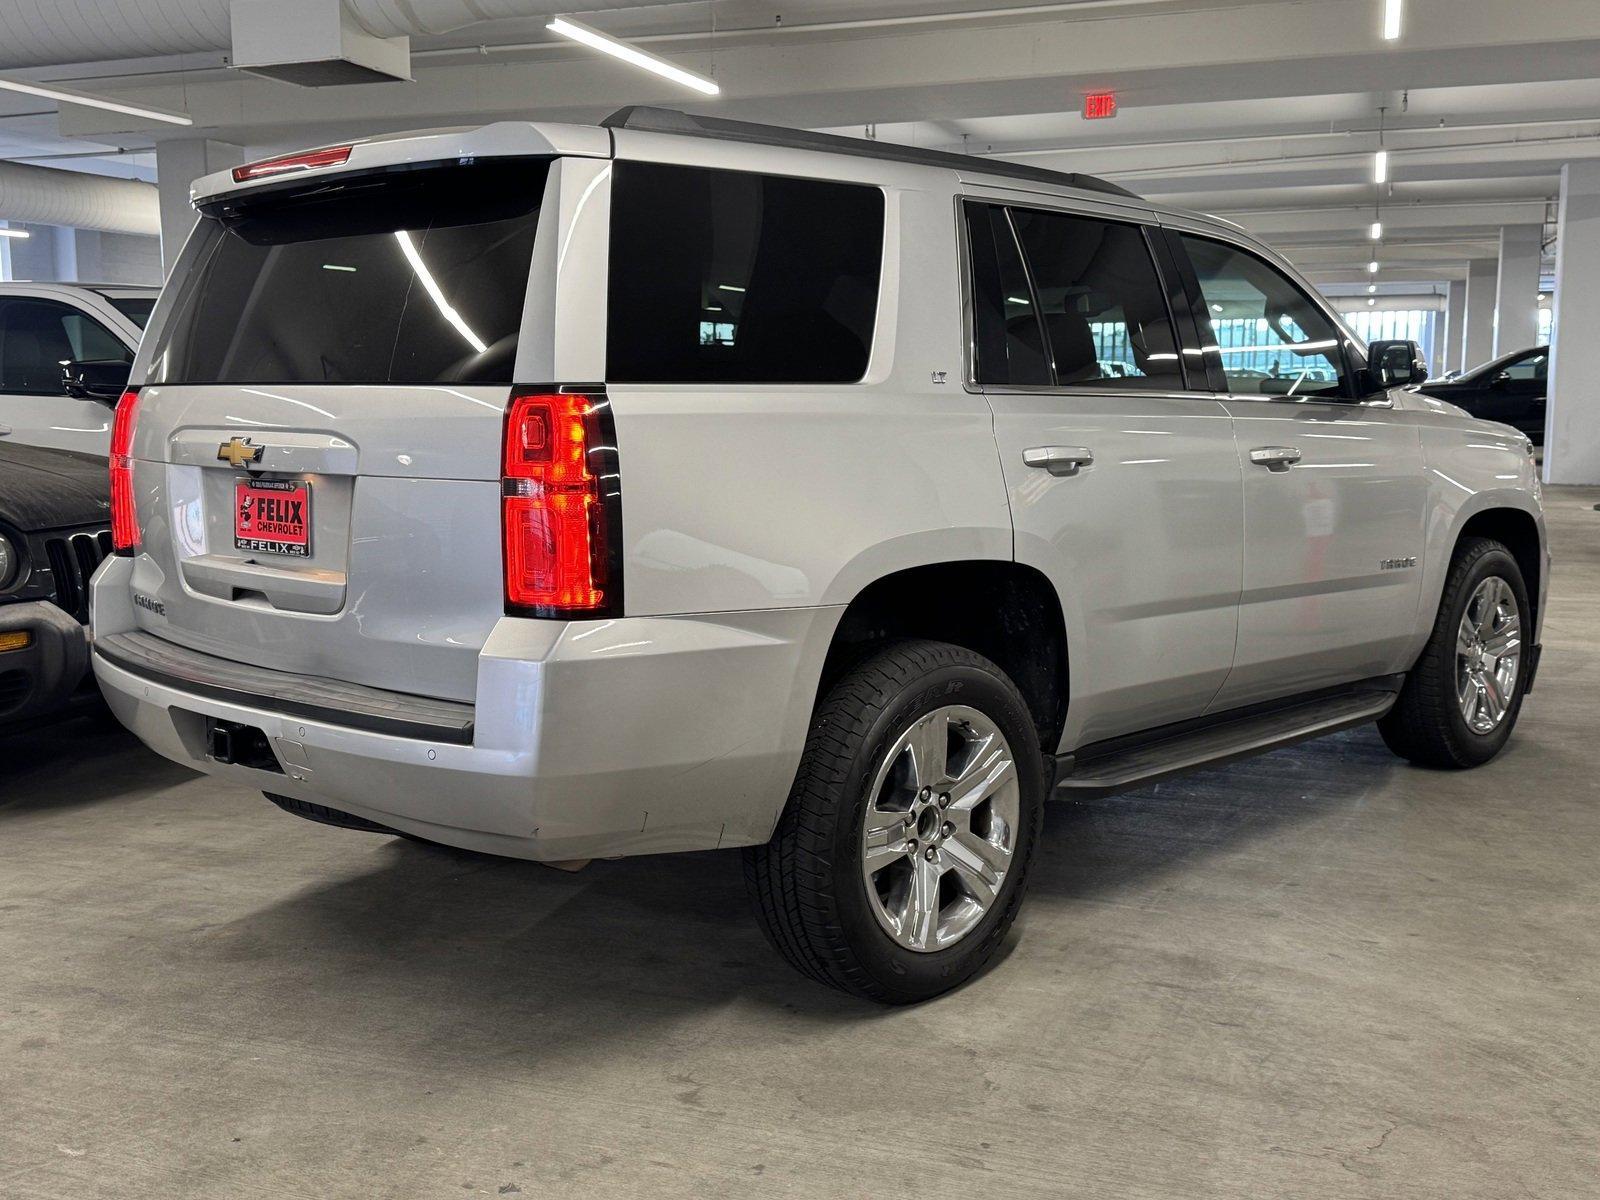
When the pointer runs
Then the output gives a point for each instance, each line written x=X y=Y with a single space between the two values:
x=1462 y=699
x=901 y=858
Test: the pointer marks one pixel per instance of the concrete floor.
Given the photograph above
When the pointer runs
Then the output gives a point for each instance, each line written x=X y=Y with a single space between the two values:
x=1321 y=974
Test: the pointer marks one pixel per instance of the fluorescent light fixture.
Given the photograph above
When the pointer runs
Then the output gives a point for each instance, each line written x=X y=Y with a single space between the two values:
x=1372 y=287
x=336 y=267
x=729 y=287
x=1376 y=232
x=1392 y=11
x=1380 y=167
x=1016 y=300
x=435 y=293
x=1372 y=267
x=1371 y=303
x=642 y=59
x=68 y=96
x=15 y=233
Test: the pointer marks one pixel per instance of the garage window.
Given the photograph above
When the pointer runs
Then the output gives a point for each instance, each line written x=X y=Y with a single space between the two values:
x=732 y=277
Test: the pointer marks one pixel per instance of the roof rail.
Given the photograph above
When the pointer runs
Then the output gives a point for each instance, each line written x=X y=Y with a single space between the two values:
x=669 y=120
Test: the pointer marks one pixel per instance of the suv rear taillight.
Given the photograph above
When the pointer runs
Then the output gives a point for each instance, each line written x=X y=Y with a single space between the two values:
x=124 y=518
x=561 y=506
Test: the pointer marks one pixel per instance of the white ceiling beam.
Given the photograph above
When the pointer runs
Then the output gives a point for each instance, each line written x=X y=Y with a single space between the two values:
x=1287 y=48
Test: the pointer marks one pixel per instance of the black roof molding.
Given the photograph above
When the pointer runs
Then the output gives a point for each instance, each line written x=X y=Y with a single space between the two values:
x=669 y=120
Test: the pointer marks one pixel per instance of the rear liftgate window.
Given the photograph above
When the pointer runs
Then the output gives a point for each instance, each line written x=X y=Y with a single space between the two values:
x=407 y=276
x=729 y=277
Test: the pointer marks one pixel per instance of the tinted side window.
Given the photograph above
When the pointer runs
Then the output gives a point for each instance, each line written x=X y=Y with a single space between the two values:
x=92 y=341
x=1534 y=369
x=1105 y=313
x=725 y=276
x=1008 y=337
x=1273 y=340
x=37 y=336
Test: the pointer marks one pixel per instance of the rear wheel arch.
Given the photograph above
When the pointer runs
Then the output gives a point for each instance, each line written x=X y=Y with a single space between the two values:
x=1005 y=611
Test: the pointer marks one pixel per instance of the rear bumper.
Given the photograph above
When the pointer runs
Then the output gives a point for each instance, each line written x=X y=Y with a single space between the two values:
x=46 y=673
x=586 y=739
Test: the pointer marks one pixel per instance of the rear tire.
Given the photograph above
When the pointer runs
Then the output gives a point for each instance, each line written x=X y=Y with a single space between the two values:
x=901 y=858
x=1461 y=700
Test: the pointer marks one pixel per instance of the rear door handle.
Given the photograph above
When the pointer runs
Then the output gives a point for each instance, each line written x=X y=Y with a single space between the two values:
x=1275 y=458
x=1058 y=460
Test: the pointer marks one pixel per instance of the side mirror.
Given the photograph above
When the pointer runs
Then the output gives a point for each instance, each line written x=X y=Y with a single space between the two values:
x=1500 y=380
x=1396 y=364
x=102 y=379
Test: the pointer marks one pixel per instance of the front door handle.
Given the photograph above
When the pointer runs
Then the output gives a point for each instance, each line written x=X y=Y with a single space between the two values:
x=1275 y=458
x=1058 y=460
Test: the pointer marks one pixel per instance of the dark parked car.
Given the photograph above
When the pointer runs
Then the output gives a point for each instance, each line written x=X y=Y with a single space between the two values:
x=1511 y=389
x=54 y=531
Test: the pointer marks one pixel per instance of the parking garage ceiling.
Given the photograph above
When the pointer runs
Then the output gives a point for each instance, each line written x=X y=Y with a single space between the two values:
x=1265 y=111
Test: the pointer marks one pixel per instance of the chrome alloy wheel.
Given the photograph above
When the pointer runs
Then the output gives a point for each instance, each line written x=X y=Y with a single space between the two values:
x=1488 y=655
x=940 y=828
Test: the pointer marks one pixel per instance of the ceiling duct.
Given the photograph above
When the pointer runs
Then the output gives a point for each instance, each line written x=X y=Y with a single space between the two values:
x=43 y=196
x=314 y=43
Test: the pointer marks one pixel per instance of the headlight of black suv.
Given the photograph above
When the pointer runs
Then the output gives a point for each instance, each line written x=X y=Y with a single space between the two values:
x=10 y=562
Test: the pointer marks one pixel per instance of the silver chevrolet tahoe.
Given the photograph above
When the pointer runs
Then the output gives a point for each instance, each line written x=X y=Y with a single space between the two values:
x=563 y=492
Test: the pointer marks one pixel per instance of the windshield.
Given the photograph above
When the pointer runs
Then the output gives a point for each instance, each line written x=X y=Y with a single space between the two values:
x=414 y=276
x=135 y=308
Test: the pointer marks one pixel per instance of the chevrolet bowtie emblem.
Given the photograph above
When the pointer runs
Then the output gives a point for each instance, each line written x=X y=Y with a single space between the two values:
x=237 y=451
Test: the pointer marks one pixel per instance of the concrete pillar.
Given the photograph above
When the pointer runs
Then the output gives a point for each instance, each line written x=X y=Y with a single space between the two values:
x=1455 y=317
x=86 y=249
x=1572 y=416
x=178 y=164
x=1517 y=289
x=1478 y=341
x=66 y=254
x=34 y=257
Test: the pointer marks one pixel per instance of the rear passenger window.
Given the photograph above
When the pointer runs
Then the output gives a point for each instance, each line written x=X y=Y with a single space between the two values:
x=1009 y=339
x=730 y=277
x=1104 y=310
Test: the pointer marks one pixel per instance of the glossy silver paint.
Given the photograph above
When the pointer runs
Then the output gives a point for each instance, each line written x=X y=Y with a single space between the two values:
x=1191 y=577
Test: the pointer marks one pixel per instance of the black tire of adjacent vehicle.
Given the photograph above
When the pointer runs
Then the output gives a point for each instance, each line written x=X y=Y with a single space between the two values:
x=1426 y=725
x=806 y=883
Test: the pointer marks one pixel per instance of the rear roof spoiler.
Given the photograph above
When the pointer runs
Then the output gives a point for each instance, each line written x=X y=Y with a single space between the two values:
x=646 y=119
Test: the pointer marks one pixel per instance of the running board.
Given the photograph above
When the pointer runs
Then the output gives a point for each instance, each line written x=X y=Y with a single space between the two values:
x=1125 y=763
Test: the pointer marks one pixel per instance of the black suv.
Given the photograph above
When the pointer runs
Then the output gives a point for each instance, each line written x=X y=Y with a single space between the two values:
x=54 y=532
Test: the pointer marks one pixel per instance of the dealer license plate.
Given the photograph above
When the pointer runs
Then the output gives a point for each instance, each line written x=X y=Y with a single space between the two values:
x=272 y=517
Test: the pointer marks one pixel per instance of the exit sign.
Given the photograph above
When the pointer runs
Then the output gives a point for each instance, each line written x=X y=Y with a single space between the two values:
x=1097 y=106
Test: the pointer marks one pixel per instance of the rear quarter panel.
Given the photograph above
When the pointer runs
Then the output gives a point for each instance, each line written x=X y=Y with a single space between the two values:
x=743 y=497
